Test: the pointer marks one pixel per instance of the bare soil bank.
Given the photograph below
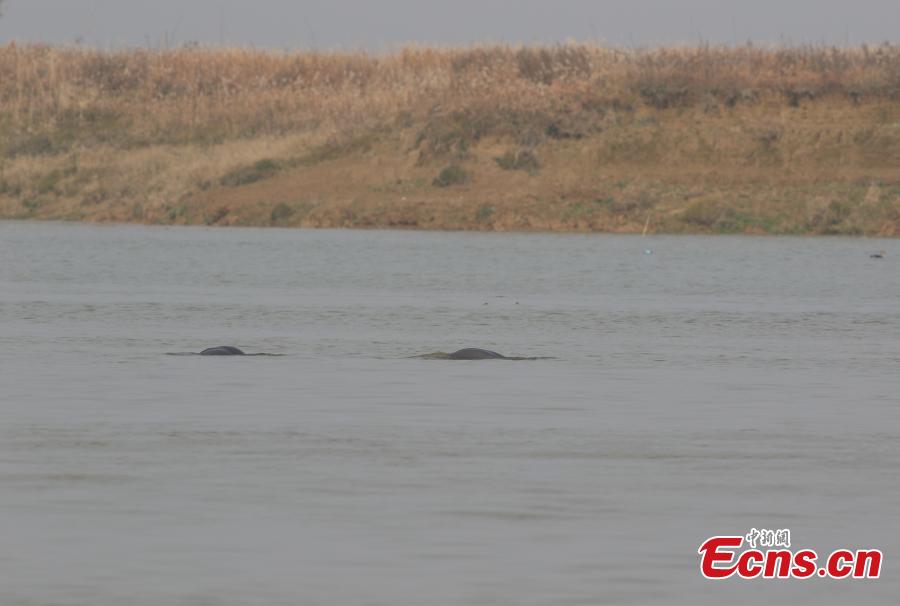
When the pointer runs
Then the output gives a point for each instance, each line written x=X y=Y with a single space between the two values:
x=569 y=138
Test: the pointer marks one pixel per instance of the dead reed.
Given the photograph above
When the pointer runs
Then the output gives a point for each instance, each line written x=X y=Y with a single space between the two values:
x=52 y=98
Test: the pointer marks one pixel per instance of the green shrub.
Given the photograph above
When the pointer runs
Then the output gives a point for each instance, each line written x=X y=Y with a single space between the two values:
x=37 y=145
x=282 y=212
x=453 y=174
x=47 y=183
x=519 y=160
x=250 y=174
x=31 y=204
x=706 y=213
x=484 y=213
x=217 y=215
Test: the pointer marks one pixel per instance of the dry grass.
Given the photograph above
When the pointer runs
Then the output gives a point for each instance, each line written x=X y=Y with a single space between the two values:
x=137 y=97
x=154 y=136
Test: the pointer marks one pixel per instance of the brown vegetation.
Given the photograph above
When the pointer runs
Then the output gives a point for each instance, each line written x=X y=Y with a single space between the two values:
x=573 y=137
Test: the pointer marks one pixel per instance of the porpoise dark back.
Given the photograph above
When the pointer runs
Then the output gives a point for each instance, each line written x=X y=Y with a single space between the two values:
x=222 y=350
x=473 y=353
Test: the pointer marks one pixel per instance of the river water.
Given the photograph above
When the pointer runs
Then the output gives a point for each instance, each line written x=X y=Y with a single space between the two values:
x=716 y=385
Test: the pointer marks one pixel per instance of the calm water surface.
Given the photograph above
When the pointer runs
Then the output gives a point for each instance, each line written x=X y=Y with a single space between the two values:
x=715 y=385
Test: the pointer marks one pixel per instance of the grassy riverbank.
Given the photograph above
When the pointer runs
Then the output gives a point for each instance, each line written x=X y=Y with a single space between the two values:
x=580 y=138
